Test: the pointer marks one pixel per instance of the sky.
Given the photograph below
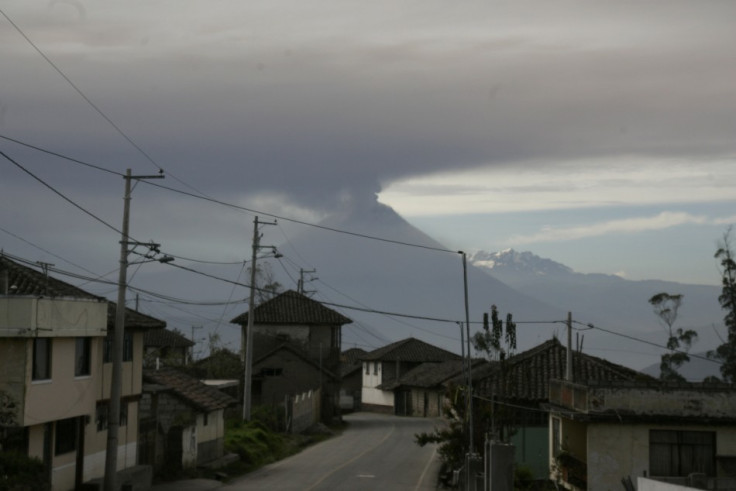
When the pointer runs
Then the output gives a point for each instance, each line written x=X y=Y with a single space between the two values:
x=597 y=134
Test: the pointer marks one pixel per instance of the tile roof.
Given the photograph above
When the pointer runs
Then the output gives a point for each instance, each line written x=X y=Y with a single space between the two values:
x=164 y=338
x=428 y=375
x=351 y=360
x=190 y=390
x=292 y=307
x=528 y=373
x=410 y=350
x=24 y=280
x=299 y=354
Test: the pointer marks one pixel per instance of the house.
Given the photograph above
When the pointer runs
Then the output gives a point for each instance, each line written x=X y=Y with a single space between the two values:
x=182 y=420
x=305 y=326
x=677 y=433
x=163 y=346
x=351 y=375
x=384 y=366
x=422 y=390
x=55 y=372
x=518 y=390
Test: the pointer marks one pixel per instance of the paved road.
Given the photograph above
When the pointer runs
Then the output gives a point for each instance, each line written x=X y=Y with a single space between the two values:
x=374 y=452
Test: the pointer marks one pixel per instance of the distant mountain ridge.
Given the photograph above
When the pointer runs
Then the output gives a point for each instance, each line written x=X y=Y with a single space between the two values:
x=608 y=301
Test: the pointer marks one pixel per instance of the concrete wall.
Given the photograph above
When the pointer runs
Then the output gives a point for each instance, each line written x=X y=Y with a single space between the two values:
x=617 y=450
x=132 y=377
x=668 y=401
x=72 y=396
x=296 y=376
x=644 y=484
x=50 y=317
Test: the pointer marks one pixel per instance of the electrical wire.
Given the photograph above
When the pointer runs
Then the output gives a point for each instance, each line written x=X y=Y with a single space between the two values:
x=651 y=343
x=60 y=194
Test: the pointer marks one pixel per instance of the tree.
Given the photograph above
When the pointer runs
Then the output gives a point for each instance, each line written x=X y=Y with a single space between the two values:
x=679 y=341
x=493 y=341
x=726 y=352
x=498 y=343
x=266 y=285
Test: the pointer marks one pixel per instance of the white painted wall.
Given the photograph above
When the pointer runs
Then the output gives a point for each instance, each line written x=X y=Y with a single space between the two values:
x=372 y=379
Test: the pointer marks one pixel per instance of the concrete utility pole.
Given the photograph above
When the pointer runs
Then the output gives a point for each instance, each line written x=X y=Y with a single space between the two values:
x=470 y=371
x=300 y=285
x=248 y=348
x=568 y=365
x=113 y=418
x=191 y=354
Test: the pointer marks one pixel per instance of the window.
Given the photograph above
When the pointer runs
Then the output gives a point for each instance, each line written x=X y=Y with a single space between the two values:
x=375 y=368
x=127 y=347
x=271 y=372
x=82 y=357
x=205 y=419
x=680 y=453
x=367 y=368
x=65 y=440
x=102 y=414
x=42 y=358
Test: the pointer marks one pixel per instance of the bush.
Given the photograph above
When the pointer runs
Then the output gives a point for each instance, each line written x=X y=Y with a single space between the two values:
x=19 y=472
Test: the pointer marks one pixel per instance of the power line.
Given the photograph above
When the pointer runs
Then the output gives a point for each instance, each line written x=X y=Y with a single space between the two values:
x=81 y=208
x=202 y=196
x=651 y=343
x=79 y=91
x=61 y=156
x=93 y=105
x=302 y=222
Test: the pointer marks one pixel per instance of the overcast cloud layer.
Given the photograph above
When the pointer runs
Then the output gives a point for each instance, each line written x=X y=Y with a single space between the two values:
x=443 y=109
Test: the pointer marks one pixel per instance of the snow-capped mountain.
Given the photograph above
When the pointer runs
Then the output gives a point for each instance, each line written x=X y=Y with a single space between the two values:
x=510 y=261
x=608 y=301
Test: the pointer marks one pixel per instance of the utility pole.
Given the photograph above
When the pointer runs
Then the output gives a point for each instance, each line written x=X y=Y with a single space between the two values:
x=470 y=373
x=191 y=355
x=113 y=425
x=568 y=370
x=300 y=285
x=248 y=354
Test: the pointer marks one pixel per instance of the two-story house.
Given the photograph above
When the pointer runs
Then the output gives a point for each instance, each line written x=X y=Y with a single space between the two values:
x=296 y=347
x=383 y=367
x=55 y=370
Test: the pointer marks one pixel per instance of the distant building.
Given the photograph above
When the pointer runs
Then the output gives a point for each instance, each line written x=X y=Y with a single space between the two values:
x=182 y=420
x=55 y=371
x=166 y=348
x=351 y=375
x=292 y=332
x=384 y=367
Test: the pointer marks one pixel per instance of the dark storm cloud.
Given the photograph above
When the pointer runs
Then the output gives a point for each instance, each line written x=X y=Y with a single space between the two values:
x=317 y=108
